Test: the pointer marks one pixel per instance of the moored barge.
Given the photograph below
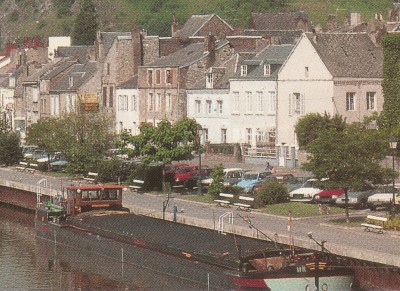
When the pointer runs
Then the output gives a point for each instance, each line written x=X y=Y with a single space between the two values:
x=228 y=261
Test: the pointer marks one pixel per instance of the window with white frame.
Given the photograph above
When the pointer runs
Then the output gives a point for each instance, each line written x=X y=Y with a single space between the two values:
x=208 y=107
x=260 y=101
x=205 y=132
x=223 y=135
x=350 y=101
x=243 y=70
x=150 y=102
x=149 y=77
x=158 y=76
x=249 y=135
x=271 y=102
x=235 y=108
x=209 y=81
x=123 y=102
x=220 y=105
x=43 y=104
x=168 y=102
x=55 y=105
x=296 y=104
x=371 y=101
x=69 y=103
x=267 y=70
x=197 y=106
x=158 y=102
x=249 y=102
x=168 y=76
x=133 y=103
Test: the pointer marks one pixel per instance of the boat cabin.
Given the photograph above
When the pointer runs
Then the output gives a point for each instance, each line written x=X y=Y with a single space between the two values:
x=88 y=197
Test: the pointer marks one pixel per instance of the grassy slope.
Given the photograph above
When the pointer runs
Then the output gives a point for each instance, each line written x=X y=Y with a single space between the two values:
x=156 y=15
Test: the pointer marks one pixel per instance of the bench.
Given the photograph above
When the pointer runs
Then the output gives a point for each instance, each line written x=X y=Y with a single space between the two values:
x=224 y=202
x=22 y=166
x=91 y=177
x=245 y=203
x=137 y=185
x=377 y=224
x=31 y=168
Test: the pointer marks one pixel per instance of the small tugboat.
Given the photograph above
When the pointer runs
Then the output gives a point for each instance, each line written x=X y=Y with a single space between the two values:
x=92 y=218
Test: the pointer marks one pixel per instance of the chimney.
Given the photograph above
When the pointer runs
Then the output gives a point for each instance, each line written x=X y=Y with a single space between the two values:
x=355 y=18
x=174 y=26
x=209 y=46
x=137 y=45
x=331 y=24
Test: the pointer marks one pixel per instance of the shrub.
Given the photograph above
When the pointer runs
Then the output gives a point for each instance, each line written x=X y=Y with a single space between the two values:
x=236 y=190
x=270 y=193
x=216 y=186
x=151 y=175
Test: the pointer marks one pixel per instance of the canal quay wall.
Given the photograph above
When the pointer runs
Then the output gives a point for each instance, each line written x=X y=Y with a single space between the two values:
x=375 y=257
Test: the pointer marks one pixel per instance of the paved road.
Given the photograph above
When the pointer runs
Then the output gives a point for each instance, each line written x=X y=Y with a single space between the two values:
x=353 y=242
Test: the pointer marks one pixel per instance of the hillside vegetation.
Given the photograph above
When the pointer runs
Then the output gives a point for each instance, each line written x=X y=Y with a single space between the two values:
x=20 y=18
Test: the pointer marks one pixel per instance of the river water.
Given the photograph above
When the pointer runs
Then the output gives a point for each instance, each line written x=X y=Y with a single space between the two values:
x=29 y=263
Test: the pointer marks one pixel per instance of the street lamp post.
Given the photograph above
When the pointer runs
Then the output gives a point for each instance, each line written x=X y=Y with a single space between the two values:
x=393 y=146
x=199 y=134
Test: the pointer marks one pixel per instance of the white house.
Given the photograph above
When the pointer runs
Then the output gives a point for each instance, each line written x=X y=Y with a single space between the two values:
x=336 y=73
x=127 y=110
x=253 y=91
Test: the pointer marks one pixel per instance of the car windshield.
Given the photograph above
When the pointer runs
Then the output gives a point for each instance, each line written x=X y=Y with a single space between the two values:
x=250 y=176
x=310 y=184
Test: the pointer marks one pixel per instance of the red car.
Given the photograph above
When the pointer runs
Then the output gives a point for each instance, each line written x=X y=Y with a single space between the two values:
x=328 y=196
x=184 y=173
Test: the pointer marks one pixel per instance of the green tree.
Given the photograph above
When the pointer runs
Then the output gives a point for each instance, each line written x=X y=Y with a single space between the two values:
x=163 y=143
x=216 y=185
x=10 y=150
x=308 y=126
x=390 y=116
x=271 y=193
x=86 y=25
x=83 y=138
x=350 y=159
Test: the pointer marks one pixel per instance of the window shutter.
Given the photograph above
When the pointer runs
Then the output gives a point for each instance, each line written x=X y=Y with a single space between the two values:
x=302 y=104
x=290 y=104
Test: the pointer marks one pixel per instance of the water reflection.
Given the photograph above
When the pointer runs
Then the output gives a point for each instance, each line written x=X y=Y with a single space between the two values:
x=27 y=263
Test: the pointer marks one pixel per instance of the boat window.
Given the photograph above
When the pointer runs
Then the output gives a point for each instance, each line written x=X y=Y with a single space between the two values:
x=110 y=194
x=90 y=195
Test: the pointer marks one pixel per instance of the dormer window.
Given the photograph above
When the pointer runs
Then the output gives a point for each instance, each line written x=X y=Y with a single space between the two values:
x=243 y=70
x=267 y=70
x=209 y=81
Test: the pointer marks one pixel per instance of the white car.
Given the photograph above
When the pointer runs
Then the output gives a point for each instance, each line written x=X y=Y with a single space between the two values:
x=231 y=176
x=306 y=192
x=383 y=198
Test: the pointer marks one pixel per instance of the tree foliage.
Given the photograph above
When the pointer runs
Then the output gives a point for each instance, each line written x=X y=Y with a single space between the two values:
x=271 y=193
x=83 y=138
x=10 y=150
x=390 y=116
x=85 y=28
x=350 y=159
x=308 y=126
x=217 y=185
x=163 y=143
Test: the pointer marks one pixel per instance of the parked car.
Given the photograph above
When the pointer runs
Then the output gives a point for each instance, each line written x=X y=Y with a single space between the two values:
x=182 y=174
x=258 y=185
x=251 y=178
x=382 y=198
x=327 y=196
x=291 y=182
x=59 y=165
x=306 y=192
x=198 y=175
x=231 y=177
x=356 y=199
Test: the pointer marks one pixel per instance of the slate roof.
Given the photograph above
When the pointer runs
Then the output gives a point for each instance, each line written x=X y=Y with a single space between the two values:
x=57 y=65
x=274 y=55
x=277 y=21
x=185 y=56
x=80 y=73
x=4 y=80
x=107 y=38
x=132 y=83
x=351 y=55
x=195 y=23
x=80 y=52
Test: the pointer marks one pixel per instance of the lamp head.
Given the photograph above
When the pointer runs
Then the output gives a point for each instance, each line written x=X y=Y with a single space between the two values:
x=393 y=142
x=309 y=234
